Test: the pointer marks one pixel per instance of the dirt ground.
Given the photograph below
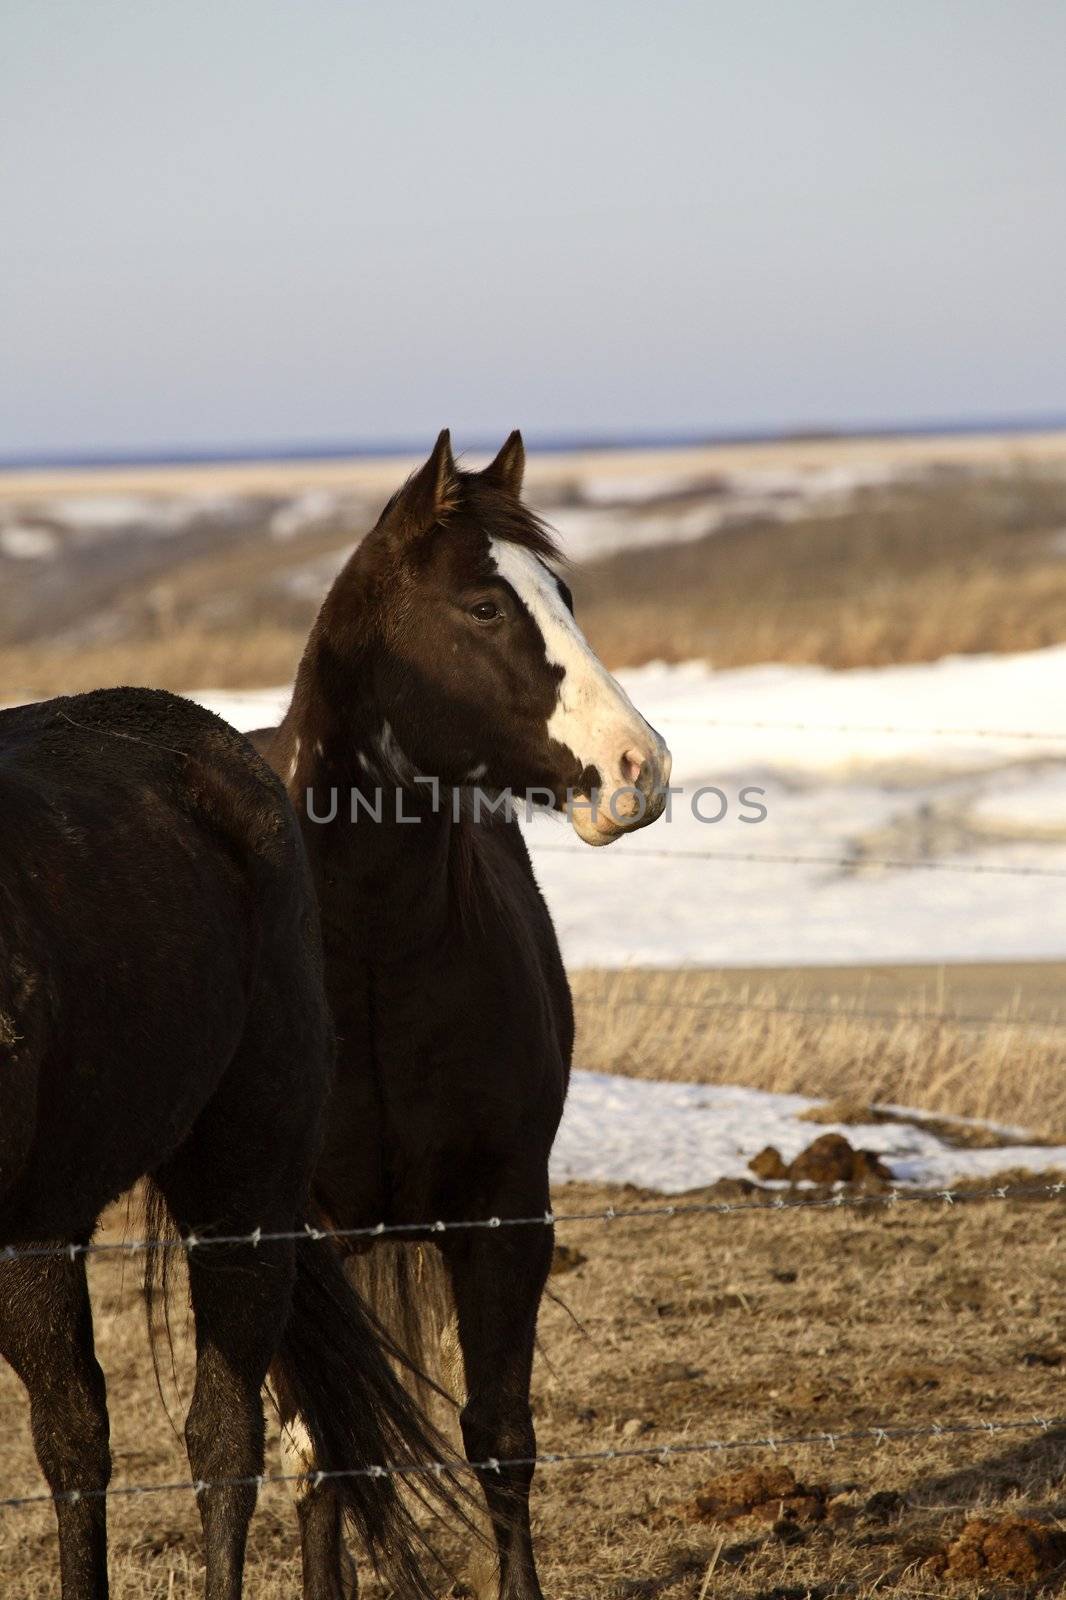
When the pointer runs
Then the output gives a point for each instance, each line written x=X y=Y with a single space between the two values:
x=728 y=1327
x=694 y=1329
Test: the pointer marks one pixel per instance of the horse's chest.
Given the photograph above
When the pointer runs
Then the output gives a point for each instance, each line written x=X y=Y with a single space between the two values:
x=424 y=1053
x=453 y=1054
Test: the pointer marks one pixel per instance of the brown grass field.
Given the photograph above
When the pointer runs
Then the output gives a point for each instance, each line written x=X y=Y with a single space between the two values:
x=908 y=573
x=728 y=1327
x=750 y=1027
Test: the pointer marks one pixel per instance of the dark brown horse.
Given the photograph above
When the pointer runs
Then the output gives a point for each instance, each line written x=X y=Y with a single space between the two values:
x=447 y=651
x=162 y=1014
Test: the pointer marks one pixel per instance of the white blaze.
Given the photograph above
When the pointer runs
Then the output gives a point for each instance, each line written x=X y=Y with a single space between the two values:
x=594 y=717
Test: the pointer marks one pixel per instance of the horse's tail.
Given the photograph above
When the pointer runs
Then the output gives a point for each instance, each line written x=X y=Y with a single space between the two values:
x=335 y=1374
x=333 y=1366
x=406 y=1288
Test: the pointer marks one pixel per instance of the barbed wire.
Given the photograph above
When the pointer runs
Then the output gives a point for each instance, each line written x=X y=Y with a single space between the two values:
x=774 y=1201
x=835 y=1013
x=876 y=1434
x=1049 y=736
x=778 y=859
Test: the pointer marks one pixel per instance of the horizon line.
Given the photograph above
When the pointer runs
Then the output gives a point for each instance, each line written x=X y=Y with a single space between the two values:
x=569 y=442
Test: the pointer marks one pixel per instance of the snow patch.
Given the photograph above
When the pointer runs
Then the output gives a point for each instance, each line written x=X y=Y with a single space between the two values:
x=1024 y=801
x=312 y=581
x=24 y=542
x=306 y=511
x=93 y=517
x=676 y=1136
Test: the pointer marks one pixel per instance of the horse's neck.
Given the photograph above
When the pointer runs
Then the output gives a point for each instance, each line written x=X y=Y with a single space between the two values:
x=381 y=846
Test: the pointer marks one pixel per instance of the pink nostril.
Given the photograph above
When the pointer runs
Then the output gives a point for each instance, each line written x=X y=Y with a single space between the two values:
x=632 y=762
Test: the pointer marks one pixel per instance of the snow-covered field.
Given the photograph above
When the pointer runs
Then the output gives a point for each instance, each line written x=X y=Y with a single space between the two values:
x=837 y=788
x=677 y=1136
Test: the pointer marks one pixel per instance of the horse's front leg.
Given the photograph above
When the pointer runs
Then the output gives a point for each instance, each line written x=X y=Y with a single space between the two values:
x=497 y=1282
x=46 y=1334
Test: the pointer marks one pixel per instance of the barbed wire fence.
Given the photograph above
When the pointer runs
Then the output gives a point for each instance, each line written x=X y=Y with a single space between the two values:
x=888 y=729
x=857 y=860
x=769 y=1203
x=772 y=1202
x=773 y=858
x=880 y=1017
x=876 y=1434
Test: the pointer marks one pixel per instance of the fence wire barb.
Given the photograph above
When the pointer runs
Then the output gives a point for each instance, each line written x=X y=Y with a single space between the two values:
x=772 y=1202
x=877 y=1434
x=777 y=859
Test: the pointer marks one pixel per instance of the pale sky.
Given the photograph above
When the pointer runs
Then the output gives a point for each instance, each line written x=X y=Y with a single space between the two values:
x=271 y=222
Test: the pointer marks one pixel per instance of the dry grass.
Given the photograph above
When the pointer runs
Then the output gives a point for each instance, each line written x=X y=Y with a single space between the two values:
x=184 y=658
x=906 y=574
x=694 y=1026
x=909 y=573
x=701 y=1328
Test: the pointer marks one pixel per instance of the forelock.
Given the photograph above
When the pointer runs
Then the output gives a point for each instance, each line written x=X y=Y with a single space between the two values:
x=501 y=516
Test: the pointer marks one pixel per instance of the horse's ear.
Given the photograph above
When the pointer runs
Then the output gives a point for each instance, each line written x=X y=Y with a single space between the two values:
x=508 y=469
x=429 y=492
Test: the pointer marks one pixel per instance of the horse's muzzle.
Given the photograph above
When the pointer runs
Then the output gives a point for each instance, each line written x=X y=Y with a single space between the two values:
x=636 y=797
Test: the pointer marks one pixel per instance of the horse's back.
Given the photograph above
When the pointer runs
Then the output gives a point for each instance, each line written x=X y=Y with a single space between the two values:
x=151 y=873
x=76 y=742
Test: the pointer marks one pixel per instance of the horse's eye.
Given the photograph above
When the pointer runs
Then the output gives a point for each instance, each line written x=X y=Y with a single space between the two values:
x=486 y=611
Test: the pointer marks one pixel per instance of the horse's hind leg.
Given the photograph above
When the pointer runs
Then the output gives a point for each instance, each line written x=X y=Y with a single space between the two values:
x=46 y=1334
x=232 y=1173
x=497 y=1281
x=240 y=1295
x=242 y=1173
x=240 y=1299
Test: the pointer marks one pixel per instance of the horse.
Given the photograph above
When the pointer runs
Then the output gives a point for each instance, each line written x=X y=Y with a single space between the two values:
x=162 y=1016
x=445 y=670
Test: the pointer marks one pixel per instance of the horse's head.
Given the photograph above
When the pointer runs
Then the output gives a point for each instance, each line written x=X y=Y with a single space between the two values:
x=478 y=672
